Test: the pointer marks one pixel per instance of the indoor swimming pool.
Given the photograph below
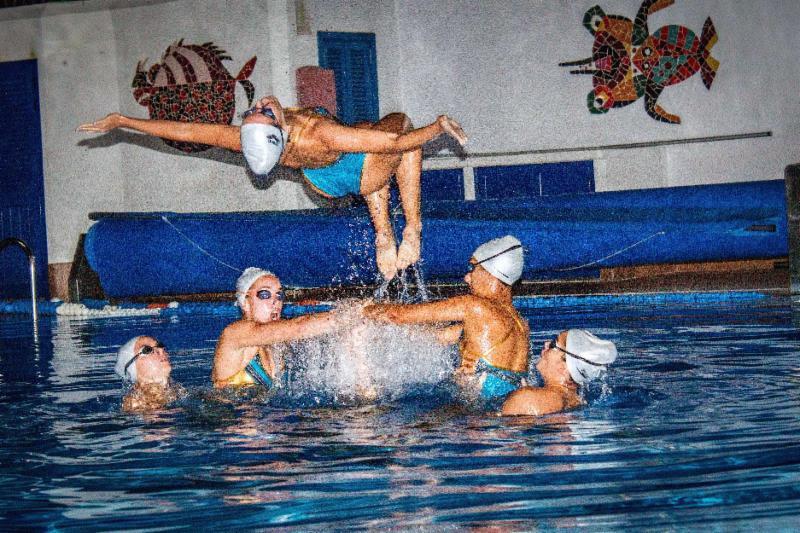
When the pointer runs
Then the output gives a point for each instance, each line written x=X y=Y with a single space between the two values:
x=697 y=423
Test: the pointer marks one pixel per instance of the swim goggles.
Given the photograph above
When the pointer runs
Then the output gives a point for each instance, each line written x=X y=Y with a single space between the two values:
x=471 y=266
x=266 y=294
x=266 y=111
x=554 y=344
x=146 y=350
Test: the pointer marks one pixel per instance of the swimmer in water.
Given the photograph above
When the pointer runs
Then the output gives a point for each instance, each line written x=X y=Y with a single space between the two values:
x=243 y=355
x=567 y=362
x=336 y=160
x=145 y=362
x=492 y=337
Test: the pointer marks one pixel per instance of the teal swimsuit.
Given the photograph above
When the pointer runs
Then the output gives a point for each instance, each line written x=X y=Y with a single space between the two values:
x=499 y=382
x=257 y=372
x=340 y=178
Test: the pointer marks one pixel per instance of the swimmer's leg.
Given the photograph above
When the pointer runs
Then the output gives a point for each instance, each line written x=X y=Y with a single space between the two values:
x=408 y=178
x=385 y=247
x=378 y=170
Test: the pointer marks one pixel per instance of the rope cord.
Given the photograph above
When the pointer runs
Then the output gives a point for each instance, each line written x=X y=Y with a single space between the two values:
x=590 y=263
x=203 y=250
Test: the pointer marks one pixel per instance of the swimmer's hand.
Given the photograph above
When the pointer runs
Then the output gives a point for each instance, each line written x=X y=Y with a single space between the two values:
x=110 y=122
x=452 y=128
x=272 y=103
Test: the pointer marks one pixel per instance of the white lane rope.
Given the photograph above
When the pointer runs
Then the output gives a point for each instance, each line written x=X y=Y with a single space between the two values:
x=203 y=250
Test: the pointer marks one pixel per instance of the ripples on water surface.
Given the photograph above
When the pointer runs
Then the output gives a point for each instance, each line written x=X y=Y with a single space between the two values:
x=699 y=423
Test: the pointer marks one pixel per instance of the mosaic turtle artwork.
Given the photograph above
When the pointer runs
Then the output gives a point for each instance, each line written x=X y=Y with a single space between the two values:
x=628 y=62
x=191 y=84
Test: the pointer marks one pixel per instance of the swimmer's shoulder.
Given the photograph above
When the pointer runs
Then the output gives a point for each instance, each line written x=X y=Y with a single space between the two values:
x=148 y=398
x=489 y=308
x=535 y=401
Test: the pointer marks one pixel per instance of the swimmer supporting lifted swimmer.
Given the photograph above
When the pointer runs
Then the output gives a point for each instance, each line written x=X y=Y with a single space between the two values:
x=336 y=159
x=492 y=337
x=494 y=342
x=243 y=355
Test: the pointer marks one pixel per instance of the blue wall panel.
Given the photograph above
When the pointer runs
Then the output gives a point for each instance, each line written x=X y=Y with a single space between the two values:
x=526 y=181
x=353 y=59
x=445 y=184
x=22 y=212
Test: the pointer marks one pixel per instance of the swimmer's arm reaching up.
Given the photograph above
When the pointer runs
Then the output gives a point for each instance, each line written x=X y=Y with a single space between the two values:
x=339 y=138
x=222 y=135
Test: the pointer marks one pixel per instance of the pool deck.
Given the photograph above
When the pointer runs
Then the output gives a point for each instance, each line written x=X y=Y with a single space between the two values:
x=769 y=275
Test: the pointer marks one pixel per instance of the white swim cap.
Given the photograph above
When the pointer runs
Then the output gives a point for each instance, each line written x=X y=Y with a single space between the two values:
x=262 y=146
x=502 y=258
x=124 y=355
x=246 y=280
x=595 y=354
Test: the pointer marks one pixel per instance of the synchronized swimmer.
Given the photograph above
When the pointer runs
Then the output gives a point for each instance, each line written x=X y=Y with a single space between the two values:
x=144 y=362
x=336 y=160
x=492 y=338
x=243 y=355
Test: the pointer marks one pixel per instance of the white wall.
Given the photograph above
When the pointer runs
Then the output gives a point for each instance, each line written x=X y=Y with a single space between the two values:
x=71 y=69
x=492 y=65
x=371 y=16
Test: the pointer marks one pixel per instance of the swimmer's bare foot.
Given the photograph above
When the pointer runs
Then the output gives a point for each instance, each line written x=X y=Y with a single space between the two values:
x=386 y=256
x=408 y=253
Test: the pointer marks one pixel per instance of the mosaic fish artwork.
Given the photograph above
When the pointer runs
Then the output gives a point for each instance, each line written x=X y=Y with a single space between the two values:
x=190 y=84
x=628 y=62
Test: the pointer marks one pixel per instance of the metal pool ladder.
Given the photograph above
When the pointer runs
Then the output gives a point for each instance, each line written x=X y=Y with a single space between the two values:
x=32 y=262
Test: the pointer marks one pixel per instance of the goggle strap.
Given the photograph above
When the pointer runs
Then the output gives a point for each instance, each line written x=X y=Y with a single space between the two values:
x=576 y=356
x=499 y=253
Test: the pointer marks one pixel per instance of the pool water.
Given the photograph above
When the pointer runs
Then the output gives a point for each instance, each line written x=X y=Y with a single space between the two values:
x=698 y=423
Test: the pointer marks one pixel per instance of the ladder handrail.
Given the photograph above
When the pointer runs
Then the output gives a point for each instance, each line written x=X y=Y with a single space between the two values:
x=32 y=264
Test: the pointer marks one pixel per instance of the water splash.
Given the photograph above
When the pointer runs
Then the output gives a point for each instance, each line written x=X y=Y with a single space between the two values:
x=364 y=362
x=399 y=288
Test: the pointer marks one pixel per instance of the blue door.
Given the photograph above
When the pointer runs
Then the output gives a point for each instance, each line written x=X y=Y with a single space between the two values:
x=22 y=212
x=352 y=58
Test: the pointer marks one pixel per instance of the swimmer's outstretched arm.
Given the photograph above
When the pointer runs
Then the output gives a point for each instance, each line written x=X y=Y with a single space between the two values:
x=449 y=310
x=228 y=356
x=222 y=135
x=246 y=333
x=449 y=335
x=339 y=138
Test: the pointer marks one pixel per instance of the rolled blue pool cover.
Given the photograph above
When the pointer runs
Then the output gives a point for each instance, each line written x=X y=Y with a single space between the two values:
x=139 y=254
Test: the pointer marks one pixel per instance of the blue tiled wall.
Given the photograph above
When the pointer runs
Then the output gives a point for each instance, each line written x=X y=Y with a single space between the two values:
x=447 y=184
x=507 y=181
x=542 y=179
